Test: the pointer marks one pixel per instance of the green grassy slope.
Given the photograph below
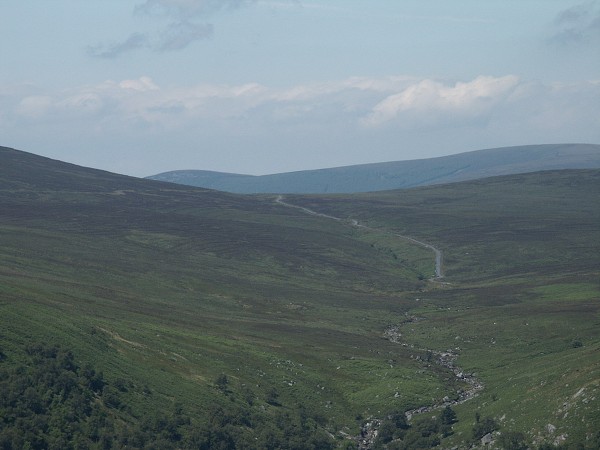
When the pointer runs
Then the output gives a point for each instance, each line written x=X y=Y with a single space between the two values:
x=522 y=299
x=167 y=287
x=400 y=174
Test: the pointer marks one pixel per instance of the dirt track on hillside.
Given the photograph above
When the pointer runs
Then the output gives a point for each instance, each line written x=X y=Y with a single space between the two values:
x=437 y=252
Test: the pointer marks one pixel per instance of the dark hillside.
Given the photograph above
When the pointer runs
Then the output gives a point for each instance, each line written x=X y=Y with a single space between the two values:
x=21 y=170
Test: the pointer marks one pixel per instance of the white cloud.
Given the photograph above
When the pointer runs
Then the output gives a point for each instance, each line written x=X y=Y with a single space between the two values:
x=142 y=84
x=34 y=106
x=377 y=102
x=306 y=92
x=429 y=97
x=349 y=121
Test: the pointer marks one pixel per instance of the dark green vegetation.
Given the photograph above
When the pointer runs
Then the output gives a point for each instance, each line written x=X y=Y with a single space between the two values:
x=50 y=402
x=399 y=174
x=220 y=320
x=395 y=433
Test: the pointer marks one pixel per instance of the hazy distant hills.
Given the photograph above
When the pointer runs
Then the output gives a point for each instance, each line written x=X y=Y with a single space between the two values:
x=399 y=174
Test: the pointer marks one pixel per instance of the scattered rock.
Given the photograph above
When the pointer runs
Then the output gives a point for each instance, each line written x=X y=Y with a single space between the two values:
x=560 y=439
x=488 y=439
x=446 y=359
x=368 y=434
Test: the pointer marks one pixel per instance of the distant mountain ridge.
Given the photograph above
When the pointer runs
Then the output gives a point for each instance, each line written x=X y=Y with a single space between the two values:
x=398 y=174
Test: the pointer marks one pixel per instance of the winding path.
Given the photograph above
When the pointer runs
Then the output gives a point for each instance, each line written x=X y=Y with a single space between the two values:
x=445 y=359
x=437 y=252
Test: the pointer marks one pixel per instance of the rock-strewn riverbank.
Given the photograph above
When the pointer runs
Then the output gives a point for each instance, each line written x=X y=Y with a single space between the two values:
x=446 y=359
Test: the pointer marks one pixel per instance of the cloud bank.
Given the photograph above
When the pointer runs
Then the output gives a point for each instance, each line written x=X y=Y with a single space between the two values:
x=273 y=129
x=371 y=103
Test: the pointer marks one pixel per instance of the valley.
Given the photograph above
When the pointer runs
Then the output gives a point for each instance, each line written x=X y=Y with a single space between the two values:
x=265 y=321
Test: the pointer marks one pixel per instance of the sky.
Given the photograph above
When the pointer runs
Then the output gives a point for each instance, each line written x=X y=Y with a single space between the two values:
x=140 y=87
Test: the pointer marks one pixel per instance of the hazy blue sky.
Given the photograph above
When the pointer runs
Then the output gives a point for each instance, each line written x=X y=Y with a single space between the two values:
x=250 y=86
